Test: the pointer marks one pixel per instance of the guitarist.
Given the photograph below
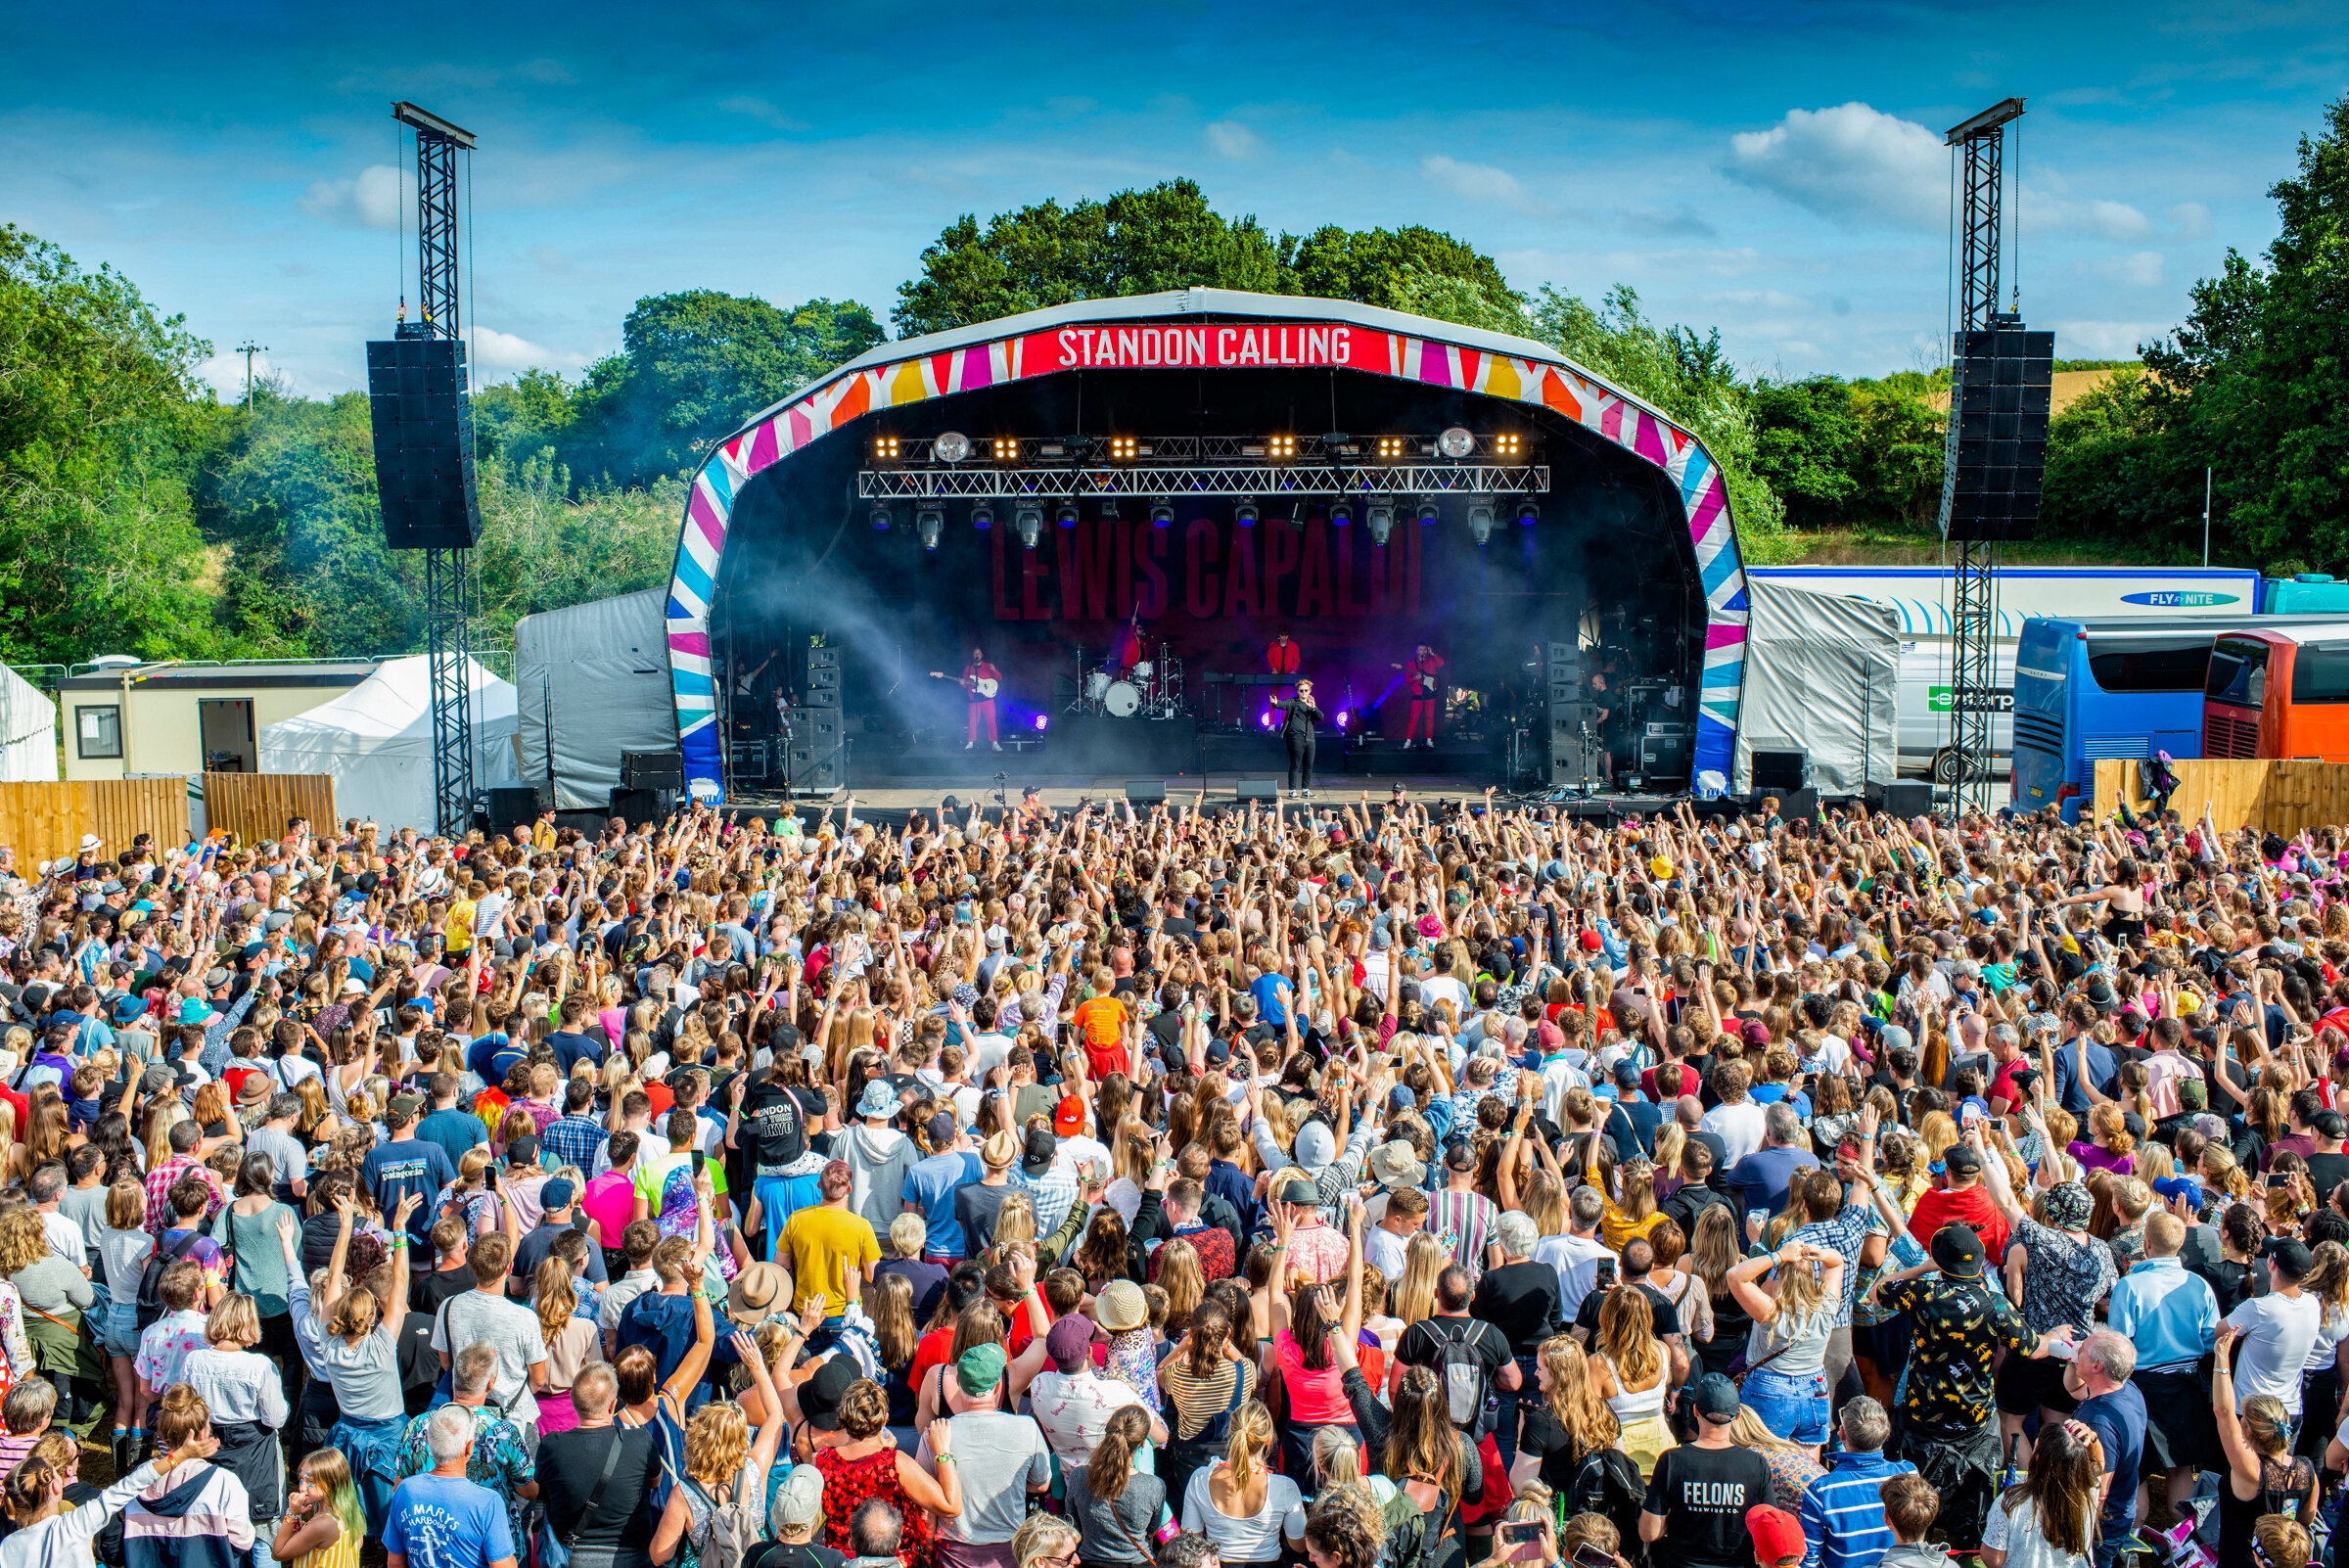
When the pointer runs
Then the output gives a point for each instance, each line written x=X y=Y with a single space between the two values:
x=981 y=681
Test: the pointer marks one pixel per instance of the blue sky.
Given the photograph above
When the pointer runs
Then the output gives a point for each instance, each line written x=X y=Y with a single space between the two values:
x=1772 y=168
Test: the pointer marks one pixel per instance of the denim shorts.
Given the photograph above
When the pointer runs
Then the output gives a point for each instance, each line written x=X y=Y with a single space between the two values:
x=1794 y=1407
x=122 y=1328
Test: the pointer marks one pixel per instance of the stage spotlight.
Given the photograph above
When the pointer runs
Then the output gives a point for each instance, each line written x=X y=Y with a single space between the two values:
x=982 y=515
x=928 y=522
x=881 y=518
x=887 y=449
x=1244 y=514
x=1343 y=716
x=1480 y=521
x=1379 y=521
x=1065 y=514
x=1455 y=442
x=1029 y=521
x=1162 y=514
x=1508 y=446
x=1527 y=512
x=1007 y=448
x=1392 y=448
x=951 y=446
x=1429 y=512
x=1041 y=722
x=1122 y=450
x=1341 y=513
x=1265 y=721
x=1280 y=448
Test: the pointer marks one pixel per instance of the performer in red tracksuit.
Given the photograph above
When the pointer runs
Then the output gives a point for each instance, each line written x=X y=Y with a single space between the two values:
x=1419 y=680
x=983 y=708
x=1281 y=656
x=1126 y=652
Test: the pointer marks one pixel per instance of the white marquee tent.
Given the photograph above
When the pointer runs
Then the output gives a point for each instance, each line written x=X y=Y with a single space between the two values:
x=27 y=731
x=376 y=741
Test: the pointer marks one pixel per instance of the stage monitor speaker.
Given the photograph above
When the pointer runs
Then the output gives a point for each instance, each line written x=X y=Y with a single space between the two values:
x=1909 y=798
x=641 y=806
x=1778 y=768
x=2004 y=382
x=423 y=425
x=1259 y=789
x=1799 y=805
x=1146 y=791
x=652 y=771
x=823 y=658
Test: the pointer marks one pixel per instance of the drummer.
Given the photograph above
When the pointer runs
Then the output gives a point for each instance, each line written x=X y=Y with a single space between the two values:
x=1127 y=651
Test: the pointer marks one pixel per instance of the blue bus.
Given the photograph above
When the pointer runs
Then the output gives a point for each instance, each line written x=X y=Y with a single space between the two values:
x=2106 y=686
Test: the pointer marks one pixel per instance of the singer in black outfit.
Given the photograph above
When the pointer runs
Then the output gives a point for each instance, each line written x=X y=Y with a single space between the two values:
x=1298 y=716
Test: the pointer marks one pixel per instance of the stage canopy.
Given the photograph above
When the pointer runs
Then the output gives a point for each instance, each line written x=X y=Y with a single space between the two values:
x=1640 y=497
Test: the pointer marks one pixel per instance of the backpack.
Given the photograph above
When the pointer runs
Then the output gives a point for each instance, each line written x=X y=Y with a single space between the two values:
x=151 y=1281
x=729 y=1530
x=1607 y=1483
x=1463 y=1373
x=1412 y=1536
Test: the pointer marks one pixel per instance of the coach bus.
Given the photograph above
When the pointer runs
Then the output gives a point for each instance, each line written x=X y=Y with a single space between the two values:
x=2279 y=689
x=2105 y=686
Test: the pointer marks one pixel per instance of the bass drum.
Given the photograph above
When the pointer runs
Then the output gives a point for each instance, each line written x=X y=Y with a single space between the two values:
x=1124 y=698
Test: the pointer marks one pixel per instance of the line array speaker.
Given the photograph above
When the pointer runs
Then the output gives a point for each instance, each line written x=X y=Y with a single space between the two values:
x=2002 y=381
x=423 y=425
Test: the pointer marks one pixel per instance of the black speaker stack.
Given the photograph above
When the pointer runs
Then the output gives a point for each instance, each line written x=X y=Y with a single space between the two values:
x=816 y=759
x=423 y=423
x=2002 y=377
x=507 y=806
x=1778 y=768
x=1571 y=759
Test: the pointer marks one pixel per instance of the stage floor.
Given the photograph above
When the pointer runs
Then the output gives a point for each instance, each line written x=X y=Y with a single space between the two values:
x=1219 y=792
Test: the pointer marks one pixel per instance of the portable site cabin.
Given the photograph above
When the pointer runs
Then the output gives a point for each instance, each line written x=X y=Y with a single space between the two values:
x=127 y=720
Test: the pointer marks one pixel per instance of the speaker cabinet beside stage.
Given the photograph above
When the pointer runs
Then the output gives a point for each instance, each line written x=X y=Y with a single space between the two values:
x=822 y=658
x=642 y=806
x=812 y=767
x=1909 y=798
x=1778 y=767
x=507 y=806
x=1146 y=791
x=1259 y=789
x=652 y=771
x=1569 y=714
x=423 y=425
x=2004 y=380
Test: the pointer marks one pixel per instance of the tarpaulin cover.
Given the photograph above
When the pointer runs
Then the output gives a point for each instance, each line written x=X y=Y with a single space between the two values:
x=595 y=677
x=1821 y=673
x=28 y=732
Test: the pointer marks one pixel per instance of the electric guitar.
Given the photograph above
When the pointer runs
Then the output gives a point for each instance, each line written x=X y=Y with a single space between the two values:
x=980 y=686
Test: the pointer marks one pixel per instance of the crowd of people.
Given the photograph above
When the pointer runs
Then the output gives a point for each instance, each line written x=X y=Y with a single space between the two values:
x=1365 y=1186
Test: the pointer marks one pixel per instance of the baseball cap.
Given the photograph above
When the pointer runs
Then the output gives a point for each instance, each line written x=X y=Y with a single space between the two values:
x=522 y=1150
x=1958 y=1251
x=1716 y=1399
x=1068 y=1341
x=2292 y=1257
x=2171 y=1189
x=1963 y=1160
x=1461 y=1156
x=1299 y=1191
x=981 y=1368
x=942 y=1129
x=1037 y=1158
x=1067 y=1120
x=1778 y=1535
x=557 y=1194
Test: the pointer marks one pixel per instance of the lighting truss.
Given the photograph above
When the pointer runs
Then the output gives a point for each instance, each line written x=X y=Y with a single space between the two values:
x=1236 y=479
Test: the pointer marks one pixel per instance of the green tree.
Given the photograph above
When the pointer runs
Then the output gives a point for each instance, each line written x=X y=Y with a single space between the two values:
x=1897 y=455
x=1375 y=266
x=543 y=547
x=1137 y=241
x=1806 y=443
x=100 y=418
x=694 y=367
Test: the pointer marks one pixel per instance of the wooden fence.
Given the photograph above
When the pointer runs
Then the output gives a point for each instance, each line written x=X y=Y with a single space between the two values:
x=256 y=806
x=2282 y=797
x=46 y=821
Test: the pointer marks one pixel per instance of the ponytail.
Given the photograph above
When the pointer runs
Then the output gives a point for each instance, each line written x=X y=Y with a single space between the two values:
x=1251 y=1435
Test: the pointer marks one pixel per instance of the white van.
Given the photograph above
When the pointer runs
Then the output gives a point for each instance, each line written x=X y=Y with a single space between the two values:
x=1925 y=699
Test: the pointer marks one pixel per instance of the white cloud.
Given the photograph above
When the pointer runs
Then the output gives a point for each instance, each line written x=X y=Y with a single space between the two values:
x=759 y=110
x=1476 y=182
x=374 y=198
x=1228 y=138
x=497 y=353
x=1768 y=299
x=2105 y=340
x=1852 y=163
x=2117 y=221
x=549 y=258
x=2142 y=271
x=2191 y=220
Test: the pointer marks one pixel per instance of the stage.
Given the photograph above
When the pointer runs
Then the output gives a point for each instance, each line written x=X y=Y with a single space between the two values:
x=892 y=803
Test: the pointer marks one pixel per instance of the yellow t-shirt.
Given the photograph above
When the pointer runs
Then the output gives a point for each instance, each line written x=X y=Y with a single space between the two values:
x=457 y=938
x=819 y=1239
x=1102 y=1020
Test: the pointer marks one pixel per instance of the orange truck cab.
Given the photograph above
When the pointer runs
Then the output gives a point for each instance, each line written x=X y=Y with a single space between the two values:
x=2278 y=693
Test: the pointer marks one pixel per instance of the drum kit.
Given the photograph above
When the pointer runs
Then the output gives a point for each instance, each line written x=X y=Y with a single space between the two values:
x=1151 y=689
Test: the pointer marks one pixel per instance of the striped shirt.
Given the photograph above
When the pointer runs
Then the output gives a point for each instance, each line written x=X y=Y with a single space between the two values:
x=1467 y=1221
x=1843 y=1513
